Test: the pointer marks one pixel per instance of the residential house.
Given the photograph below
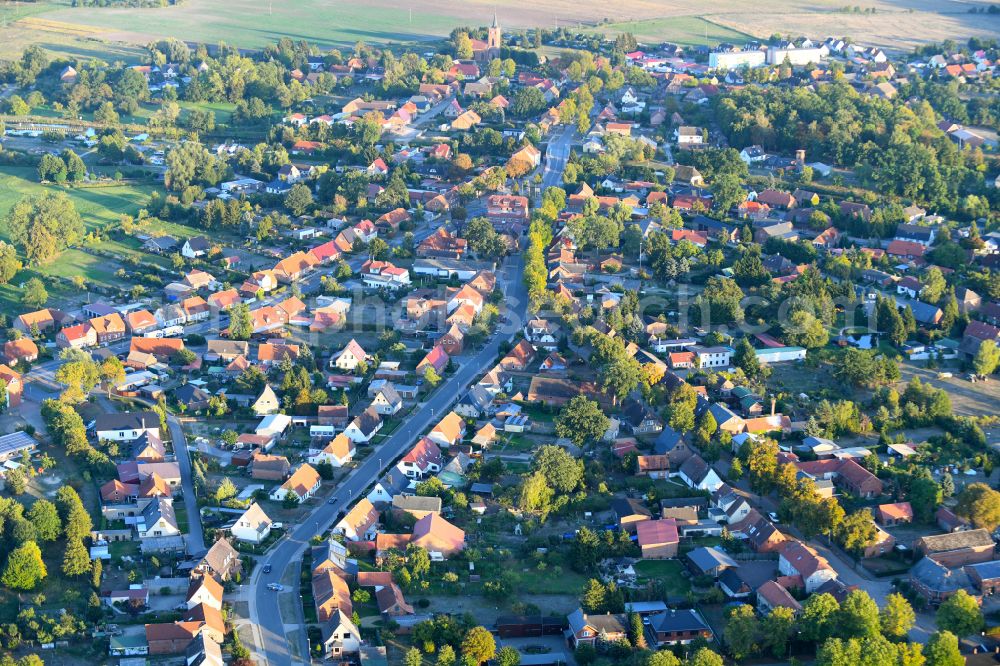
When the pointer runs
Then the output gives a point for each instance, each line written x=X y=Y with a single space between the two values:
x=423 y=460
x=364 y=426
x=771 y=595
x=340 y=636
x=699 y=474
x=846 y=474
x=629 y=513
x=125 y=427
x=360 y=523
x=350 y=357
x=253 y=526
x=338 y=452
x=302 y=484
x=797 y=559
x=898 y=513
x=221 y=560
x=679 y=627
x=587 y=629
x=437 y=536
x=449 y=431
x=658 y=539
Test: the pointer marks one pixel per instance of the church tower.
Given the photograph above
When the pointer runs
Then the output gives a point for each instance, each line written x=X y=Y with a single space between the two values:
x=494 y=37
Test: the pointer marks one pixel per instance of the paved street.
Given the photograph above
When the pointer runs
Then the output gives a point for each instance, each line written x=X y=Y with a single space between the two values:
x=556 y=155
x=195 y=538
x=265 y=612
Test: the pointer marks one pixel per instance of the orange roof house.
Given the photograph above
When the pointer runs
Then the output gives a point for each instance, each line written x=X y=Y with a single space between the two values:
x=449 y=430
x=162 y=348
x=108 y=327
x=40 y=319
x=140 y=321
x=22 y=349
x=894 y=514
x=330 y=593
x=360 y=523
x=303 y=483
x=223 y=300
x=519 y=357
x=294 y=267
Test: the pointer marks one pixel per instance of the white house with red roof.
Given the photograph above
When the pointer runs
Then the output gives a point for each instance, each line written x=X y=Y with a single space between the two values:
x=798 y=559
x=349 y=357
x=378 y=168
x=422 y=460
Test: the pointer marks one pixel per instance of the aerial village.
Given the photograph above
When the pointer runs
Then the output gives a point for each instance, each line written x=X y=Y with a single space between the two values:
x=637 y=354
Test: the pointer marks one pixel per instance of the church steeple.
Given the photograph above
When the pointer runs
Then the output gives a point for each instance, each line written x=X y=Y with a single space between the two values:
x=494 y=36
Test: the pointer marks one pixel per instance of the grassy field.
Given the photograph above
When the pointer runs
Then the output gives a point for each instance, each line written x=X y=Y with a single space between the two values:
x=253 y=24
x=680 y=30
x=112 y=33
x=97 y=205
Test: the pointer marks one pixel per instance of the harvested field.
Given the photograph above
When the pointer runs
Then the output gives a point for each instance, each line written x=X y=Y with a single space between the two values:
x=894 y=24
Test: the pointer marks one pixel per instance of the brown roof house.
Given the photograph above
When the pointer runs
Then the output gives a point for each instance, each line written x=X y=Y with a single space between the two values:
x=957 y=548
x=437 y=536
x=894 y=514
x=269 y=468
x=798 y=559
x=221 y=560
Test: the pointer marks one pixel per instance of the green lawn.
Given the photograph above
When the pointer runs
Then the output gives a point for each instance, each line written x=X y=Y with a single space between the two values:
x=670 y=572
x=96 y=205
x=535 y=581
x=222 y=110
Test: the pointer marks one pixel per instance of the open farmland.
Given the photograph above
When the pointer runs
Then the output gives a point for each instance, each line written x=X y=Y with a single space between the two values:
x=109 y=33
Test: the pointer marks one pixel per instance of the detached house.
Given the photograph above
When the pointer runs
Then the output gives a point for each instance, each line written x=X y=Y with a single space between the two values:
x=423 y=460
x=847 y=474
x=78 y=336
x=364 y=426
x=658 y=539
x=449 y=431
x=338 y=452
x=797 y=559
x=387 y=401
x=699 y=474
x=253 y=526
x=350 y=357
x=543 y=333
x=586 y=629
x=360 y=523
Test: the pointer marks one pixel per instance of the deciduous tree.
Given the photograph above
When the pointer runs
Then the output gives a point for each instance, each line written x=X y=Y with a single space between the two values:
x=25 y=568
x=960 y=614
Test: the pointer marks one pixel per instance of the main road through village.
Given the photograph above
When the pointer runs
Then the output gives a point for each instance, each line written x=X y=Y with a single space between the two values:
x=269 y=627
x=265 y=612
